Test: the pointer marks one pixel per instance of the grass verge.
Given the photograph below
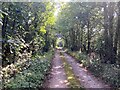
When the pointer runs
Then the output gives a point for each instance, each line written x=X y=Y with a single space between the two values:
x=73 y=82
x=109 y=73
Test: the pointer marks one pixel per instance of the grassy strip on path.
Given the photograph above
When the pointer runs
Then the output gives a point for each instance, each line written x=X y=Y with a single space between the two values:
x=73 y=82
x=109 y=73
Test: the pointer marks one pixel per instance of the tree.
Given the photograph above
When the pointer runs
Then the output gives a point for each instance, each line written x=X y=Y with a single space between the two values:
x=25 y=29
x=118 y=27
x=90 y=27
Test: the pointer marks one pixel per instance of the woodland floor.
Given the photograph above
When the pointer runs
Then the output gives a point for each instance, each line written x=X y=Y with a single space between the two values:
x=58 y=78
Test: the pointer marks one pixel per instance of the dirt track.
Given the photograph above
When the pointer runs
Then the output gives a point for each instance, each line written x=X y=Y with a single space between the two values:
x=86 y=78
x=58 y=77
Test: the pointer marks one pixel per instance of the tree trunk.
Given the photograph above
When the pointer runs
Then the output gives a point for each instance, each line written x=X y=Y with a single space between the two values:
x=5 y=19
x=116 y=40
x=119 y=31
x=88 y=37
x=111 y=56
x=105 y=52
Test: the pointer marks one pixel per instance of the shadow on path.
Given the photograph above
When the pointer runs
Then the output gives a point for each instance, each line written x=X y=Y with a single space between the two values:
x=87 y=79
x=57 y=76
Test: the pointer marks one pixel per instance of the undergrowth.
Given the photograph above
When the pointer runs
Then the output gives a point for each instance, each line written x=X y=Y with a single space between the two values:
x=34 y=75
x=110 y=73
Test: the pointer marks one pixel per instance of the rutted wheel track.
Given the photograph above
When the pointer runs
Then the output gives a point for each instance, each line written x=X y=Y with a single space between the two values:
x=87 y=80
x=57 y=77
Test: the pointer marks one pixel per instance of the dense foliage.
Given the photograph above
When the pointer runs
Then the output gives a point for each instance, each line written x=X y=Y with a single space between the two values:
x=92 y=27
x=26 y=30
x=93 y=30
x=108 y=72
x=32 y=75
x=26 y=37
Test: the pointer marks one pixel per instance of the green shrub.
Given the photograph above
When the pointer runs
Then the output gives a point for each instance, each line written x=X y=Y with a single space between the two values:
x=109 y=73
x=33 y=76
x=96 y=68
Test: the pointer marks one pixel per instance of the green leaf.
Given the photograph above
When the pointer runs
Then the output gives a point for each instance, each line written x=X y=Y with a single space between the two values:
x=42 y=29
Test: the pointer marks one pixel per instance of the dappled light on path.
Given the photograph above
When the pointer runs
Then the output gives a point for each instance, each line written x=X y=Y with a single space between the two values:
x=87 y=79
x=58 y=77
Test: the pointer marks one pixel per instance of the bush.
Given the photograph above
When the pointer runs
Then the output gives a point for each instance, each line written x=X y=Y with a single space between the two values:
x=109 y=73
x=96 y=68
x=33 y=76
